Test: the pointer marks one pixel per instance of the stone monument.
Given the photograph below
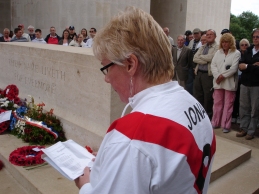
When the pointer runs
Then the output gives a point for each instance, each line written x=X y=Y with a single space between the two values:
x=179 y=16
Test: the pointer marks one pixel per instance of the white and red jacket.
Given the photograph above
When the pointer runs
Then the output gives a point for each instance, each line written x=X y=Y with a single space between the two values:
x=165 y=145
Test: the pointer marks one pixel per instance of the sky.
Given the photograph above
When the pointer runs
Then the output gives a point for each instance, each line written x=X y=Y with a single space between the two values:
x=239 y=6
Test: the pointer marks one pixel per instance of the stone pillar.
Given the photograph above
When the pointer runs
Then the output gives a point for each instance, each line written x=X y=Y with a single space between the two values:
x=184 y=15
x=171 y=14
x=5 y=15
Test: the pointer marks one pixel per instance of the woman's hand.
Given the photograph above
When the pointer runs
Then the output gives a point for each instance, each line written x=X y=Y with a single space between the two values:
x=85 y=178
x=220 y=79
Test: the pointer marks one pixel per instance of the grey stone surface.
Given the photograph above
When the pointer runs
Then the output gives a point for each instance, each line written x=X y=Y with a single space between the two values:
x=244 y=178
x=60 y=13
x=184 y=15
x=66 y=79
x=5 y=15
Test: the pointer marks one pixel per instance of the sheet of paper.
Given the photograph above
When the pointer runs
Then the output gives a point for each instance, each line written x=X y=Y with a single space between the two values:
x=5 y=116
x=68 y=158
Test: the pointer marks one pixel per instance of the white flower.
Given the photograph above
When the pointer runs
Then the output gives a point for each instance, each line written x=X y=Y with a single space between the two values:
x=22 y=123
x=3 y=99
x=5 y=104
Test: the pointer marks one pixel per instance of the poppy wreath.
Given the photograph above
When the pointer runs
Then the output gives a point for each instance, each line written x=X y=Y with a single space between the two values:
x=26 y=156
x=4 y=125
x=12 y=92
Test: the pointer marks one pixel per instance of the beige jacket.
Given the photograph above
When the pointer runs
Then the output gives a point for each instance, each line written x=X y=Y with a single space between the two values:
x=201 y=59
x=219 y=65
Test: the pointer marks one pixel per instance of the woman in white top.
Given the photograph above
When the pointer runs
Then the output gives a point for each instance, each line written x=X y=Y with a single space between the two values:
x=84 y=32
x=224 y=67
x=65 y=38
x=78 y=42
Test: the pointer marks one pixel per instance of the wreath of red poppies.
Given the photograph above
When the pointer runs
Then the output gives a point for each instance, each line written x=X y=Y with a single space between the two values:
x=4 y=125
x=26 y=156
x=12 y=92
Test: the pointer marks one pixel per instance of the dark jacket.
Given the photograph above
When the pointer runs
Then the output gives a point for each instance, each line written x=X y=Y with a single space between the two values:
x=61 y=41
x=71 y=36
x=47 y=38
x=184 y=62
x=250 y=76
x=32 y=36
x=2 y=39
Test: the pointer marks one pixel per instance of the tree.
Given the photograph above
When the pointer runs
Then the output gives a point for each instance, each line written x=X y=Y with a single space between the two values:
x=242 y=25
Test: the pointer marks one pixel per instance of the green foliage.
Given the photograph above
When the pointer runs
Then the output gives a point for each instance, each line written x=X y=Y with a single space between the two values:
x=35 y=135
x=242 y=25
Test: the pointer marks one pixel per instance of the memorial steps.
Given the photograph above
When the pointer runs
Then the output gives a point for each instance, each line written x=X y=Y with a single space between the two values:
x=231 y=165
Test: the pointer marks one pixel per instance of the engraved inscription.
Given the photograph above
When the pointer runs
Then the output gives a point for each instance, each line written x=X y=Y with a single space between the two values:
x=40 y=69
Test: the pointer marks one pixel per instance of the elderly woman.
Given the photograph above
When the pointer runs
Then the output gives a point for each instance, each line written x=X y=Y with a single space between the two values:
x=243 y=44
x=224 y=67
x=161 y=146
x=249 y=89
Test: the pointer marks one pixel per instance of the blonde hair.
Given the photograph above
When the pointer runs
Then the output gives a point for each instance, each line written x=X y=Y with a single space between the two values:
x=136 y=32
x=227 y=37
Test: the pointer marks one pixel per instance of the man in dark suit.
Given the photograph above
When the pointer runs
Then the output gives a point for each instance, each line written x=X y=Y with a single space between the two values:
x=182 y=59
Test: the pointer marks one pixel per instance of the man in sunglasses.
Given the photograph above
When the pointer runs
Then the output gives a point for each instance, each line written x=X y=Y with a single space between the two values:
x=72 y=34
x=90 y=41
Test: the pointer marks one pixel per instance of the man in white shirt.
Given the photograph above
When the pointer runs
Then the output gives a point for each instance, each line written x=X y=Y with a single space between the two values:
x=90 y=41
x=38 y=38
x=166 y=31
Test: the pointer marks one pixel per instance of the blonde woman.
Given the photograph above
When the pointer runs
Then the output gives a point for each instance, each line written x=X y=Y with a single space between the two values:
x=224 y=67
x=161 y=146
x=78 y=42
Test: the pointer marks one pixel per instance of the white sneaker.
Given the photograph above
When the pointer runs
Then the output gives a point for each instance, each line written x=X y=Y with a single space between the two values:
x=225 y=131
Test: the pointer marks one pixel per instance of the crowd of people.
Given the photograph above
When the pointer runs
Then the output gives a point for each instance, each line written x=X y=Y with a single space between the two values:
x=166 y=144
x=213 y=73
x=69 y=36
x=223 y=77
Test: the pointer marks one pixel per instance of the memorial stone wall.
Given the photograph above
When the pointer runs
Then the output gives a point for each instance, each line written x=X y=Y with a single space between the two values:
x=66 y=79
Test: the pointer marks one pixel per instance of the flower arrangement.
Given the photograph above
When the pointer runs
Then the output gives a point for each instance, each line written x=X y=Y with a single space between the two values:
x=28 y=120
x=27 y=156
x=9 y=100
x=36 y=127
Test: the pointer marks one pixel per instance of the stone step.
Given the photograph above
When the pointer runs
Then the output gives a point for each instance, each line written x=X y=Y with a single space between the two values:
x=244 y=179
x=42 y=180
x=228 y=156
x=45 y=180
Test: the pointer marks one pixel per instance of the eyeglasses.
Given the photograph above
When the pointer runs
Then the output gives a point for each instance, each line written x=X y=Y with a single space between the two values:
x=105 y=68
x=244 y=45
x=255 y=37
x=91 y=31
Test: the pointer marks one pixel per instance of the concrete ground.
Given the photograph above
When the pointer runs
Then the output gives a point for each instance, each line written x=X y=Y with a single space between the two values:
x=245 y=178
x=242 y=180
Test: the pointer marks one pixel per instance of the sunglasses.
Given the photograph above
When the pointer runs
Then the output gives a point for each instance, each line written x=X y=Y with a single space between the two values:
x=255 y=37
x=91 y=31
x=244 y=45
